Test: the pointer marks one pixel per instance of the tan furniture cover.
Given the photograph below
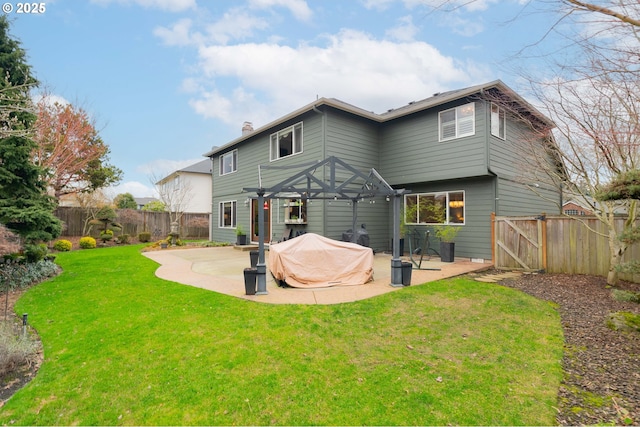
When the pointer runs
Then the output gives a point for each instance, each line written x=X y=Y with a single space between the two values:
x=314 y=261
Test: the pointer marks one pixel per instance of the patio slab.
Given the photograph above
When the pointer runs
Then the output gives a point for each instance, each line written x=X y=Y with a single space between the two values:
x=221 y=269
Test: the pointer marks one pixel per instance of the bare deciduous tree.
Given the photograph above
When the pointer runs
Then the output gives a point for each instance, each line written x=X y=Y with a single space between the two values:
x=593 y=99
x=175 y=192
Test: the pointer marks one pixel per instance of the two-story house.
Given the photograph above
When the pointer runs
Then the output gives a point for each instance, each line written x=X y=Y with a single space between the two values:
x=188 y=189
x=457 y=149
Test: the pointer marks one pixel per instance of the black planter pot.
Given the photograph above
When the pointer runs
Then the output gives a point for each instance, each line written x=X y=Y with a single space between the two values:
x=241 y=239
x=250 y=276
x=401 y=246
x=447 y=251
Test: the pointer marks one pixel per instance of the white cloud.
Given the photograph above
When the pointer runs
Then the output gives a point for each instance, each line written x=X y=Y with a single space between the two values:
x=135 y=188
x=236 y=24
x=50 y=99
x=178 y=35
x=298 y=8
x=168 y=5
x=272 y=79
x=160 y=168
x=405 y=30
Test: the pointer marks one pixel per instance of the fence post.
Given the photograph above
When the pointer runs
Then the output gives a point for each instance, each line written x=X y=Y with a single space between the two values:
x=542 y=241
x=493 y=237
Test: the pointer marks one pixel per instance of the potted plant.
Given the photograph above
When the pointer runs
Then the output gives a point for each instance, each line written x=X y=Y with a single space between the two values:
x=241 y=237
x=447 y=234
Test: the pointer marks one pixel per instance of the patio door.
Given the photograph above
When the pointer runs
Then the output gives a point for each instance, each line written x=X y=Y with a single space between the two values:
x=255 y=224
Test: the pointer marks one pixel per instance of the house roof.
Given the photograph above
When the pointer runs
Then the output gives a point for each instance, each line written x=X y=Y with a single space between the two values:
x=202 y=167
x=144 y=200
x=392 y=114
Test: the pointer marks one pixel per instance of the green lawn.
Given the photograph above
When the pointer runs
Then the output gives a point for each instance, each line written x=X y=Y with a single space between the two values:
x=123 y=347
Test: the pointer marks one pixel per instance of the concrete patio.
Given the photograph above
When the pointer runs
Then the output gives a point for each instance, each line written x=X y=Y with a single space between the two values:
x=221 y=270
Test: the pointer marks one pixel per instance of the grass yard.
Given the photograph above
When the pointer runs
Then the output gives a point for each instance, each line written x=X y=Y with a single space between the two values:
x=123 y=347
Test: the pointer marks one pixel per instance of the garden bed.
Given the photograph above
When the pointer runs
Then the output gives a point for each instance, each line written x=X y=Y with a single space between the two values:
x=602 y=376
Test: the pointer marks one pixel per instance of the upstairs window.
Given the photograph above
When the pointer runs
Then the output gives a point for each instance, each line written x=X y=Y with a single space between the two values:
x=286 y=142
x=229 y=162
x=498 y=122
x=457 y=122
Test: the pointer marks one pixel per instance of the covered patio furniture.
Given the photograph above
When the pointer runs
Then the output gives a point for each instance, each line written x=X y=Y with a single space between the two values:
x=314 y=261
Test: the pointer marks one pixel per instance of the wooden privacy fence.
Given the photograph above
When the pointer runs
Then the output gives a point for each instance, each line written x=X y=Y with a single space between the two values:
x=556 y=244
x=192 y=225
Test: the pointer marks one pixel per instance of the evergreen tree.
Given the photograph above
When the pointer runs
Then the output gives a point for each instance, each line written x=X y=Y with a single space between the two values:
x=125 y=201
x=24 y=206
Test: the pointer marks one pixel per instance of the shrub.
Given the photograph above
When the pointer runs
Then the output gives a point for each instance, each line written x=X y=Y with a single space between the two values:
x=35 y=253
x=16 y=349
x=144 y=237
x=123 y=238
x=106 y=235
x=87 y=242
x=62 y=245
x=17 y=276
x=625 y=296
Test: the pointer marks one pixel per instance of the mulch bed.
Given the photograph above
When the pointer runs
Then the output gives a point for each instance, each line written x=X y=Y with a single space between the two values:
x=602 y=366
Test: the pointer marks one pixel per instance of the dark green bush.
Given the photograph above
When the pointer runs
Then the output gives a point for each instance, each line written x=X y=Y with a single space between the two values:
x=144 y=237
x=35 y=253
x=123 y=238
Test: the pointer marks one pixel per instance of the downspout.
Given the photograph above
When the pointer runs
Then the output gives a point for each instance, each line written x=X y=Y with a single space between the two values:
x=487 y=138
x=323 y=127
x=212 y=204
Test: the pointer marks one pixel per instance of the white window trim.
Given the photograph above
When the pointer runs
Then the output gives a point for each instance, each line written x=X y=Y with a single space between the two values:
x=234 y=214
x=234 y=159
x=457 y=122
x=435 y=194
x=501 y=116
x=277 y=136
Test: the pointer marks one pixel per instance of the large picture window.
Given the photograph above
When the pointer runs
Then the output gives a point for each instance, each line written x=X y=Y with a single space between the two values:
x=229 y=162
x=457 y=122
x=498 y=122
x=434 y=208
x=286 y=142
x=227 y=214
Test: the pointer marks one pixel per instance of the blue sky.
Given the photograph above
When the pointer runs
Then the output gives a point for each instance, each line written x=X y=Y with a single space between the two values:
x=166 y=80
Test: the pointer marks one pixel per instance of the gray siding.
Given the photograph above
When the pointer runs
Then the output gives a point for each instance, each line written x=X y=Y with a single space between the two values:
x=411 y=151
x=355 y=141
x=252 y=153
x=474 y=239
x=517 y=200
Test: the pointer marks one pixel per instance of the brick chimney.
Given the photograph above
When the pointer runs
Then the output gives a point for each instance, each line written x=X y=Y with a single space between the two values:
x=247 y=127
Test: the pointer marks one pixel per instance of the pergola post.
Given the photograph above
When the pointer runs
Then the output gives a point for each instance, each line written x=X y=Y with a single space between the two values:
x=261 y=267
x=396 y=262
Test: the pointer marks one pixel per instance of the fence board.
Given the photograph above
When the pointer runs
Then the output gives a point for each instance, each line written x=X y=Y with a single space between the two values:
x=192 y=225
x=571 y=245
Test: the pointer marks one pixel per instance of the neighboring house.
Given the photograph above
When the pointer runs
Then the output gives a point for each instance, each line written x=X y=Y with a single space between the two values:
x=584 y=205
x=188 y=189
x=455 y=148
x=77 y=200
x=141 y=202
x=574 y=209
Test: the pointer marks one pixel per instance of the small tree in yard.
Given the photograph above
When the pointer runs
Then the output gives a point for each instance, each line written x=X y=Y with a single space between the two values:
x=106 y=219
x=175 y=192
x=626 y=187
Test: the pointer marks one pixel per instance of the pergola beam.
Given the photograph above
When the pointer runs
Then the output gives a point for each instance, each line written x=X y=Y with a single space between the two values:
x=354 y=187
